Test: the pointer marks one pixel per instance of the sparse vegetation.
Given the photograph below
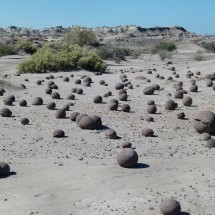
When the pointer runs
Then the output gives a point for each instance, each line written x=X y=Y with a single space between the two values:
x=167 y=46
x=81 y=36
x=26 y=46
x=199 y=55
x=209 y=46
x=163 y=54
x=109 y=52
x=59 y=56
x=7 y=49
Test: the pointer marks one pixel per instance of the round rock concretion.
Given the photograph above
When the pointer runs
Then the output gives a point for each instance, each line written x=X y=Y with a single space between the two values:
x=170 y=207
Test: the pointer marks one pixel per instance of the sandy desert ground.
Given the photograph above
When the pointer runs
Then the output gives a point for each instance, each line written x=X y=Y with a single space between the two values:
x=78 y=174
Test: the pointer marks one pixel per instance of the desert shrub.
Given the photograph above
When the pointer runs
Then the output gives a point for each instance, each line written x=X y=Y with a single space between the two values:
x=108 y=52
x=56 y=57
x=7 y=49
x=91 y=61
x=26 y=46
x=209 y=46
x=199 y=55
x=81 y=36
x=163 y=54
x=167 y=46
x=137 y=53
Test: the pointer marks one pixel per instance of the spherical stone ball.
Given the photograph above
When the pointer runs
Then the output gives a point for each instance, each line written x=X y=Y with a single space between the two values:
x=58 y=133
x=48 y=91
x=66 y=107
x=181 y=115
x=66 y=79
x=50 y=83
x=157 y=76
x=24 y=121
x=71 y=97
x=198 y=73
x=148 y=91
x=205 y=136
x=178 y=87
x=113 y=106
x=127 y=158
x=72 y=75
x=209 y=83
x=77 y=81
x=79 y=91
x=97 y=99
x=176 y=75
x=122 y=91
x=147 y=132
x=101 y=82
x=39 y=82
x=170 y=105
x=210 y=143
x=170 y=207
x=152 y=109
x=86 y=122
x=51 y=76
x=204 y=122
x=60 y=114
x=9 y=100
x=51 y=106
x=149 y=119
x=37 y=101
x=169 y=78
x=54 y=86
x=156 y=86
x=126 y=108
x=55 y=95
x=130 y=86
x=119 y=86
x=114 y=101
x=5 y=112
x=97 y=121
x=23 y=103
x=22 y=86
x=87 y=84
x=79 y=117
x=73 y=116
x=150 y=102
x=111 y=134
x=73 y=90
x=109 y=93
x=179 y=94
x=126 y=144
x=123 y=97
x=192 y=82
x=87 y=79
x=187 y=101
x=194 y=88
x=4 y=168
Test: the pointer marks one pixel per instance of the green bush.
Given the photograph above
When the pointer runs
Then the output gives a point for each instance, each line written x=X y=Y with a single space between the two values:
x=56 y=57
x=163 y=54
x=199 y=55
x=210 y=46
x=168 y=46
x=108 y=52
x=81 y=36
x=7 y=49
x=26 y=46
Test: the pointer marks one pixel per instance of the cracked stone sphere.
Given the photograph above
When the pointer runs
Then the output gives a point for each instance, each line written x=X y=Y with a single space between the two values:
x=204 y=122
x=4 y=168
x=127 y=158
x=170 y=207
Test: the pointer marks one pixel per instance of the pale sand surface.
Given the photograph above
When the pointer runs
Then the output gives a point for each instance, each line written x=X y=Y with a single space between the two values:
x=78 y=174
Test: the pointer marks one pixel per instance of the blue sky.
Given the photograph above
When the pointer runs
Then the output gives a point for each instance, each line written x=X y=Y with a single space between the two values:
x=195 y=15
